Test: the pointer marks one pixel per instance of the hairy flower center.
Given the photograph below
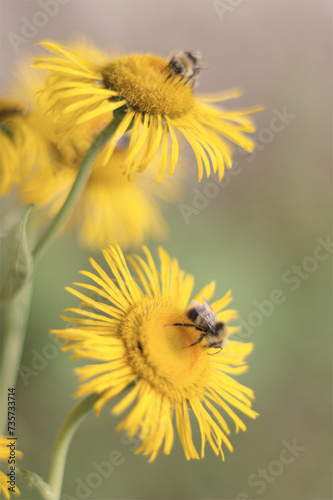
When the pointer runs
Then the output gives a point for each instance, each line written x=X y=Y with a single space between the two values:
x=159 y=352
x=143 y=81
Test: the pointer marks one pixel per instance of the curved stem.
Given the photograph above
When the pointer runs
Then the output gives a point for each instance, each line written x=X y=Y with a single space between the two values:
x=14 y=322
x=17 y=312
x=77 y=188
x=63 y=440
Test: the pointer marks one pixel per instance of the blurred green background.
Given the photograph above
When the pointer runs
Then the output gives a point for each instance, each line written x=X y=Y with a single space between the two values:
x=262 y=221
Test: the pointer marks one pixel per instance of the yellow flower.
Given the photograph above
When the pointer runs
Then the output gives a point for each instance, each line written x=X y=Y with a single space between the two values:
x=28 y=137
x=22 y=144
x=111 y=208
x=131 y=337
x=85 y=84
x=4 y=454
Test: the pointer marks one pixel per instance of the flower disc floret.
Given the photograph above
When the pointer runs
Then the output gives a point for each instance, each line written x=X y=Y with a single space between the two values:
x=142 y=81
x=165 y=360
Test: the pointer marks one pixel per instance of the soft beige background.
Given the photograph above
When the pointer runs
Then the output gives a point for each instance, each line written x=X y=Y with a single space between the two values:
x=249 y=237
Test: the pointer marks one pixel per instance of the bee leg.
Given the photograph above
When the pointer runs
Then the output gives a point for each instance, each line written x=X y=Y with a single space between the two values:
x=170 y=76
x=180 y=80
x=213 y=354
x=169 y=65
x=191 y=84
x=184 y=324
x=199 y=339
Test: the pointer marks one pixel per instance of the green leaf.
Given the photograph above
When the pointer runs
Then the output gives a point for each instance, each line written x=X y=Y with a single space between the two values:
x=22 y=267
x=35 y=480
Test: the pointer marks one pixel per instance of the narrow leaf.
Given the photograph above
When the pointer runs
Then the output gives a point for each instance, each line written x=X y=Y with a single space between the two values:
x=22 y=267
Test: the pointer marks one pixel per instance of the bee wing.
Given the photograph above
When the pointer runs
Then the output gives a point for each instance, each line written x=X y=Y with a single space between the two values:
x=197 y=54
x=205 y=312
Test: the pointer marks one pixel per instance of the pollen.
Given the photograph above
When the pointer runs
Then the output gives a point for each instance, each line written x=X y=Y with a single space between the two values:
x=147 y=85
x=160 y=352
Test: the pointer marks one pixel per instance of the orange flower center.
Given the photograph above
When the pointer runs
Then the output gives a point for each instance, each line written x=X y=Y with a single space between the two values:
x=160 y=352
x=143 y=81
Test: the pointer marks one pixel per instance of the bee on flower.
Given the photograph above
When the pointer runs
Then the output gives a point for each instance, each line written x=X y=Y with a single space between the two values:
x=141 y=334
x=154 y=101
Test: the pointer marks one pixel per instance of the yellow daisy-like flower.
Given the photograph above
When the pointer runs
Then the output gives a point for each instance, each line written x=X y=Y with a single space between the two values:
x=131 y=335
x=153 y=101
x=111 y=208
x=22 y=144
x=4 y=454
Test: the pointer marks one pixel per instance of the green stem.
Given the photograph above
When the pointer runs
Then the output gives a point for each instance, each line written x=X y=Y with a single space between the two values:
x=63 y=441
x=14 y=321
x=17 y=312
x=77 y=188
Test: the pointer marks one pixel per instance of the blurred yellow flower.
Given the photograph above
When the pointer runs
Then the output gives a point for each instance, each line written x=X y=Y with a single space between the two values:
x=22 y=144
x=84 y=84
x=111 y=207
x=131 y=337
x=4 y=454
